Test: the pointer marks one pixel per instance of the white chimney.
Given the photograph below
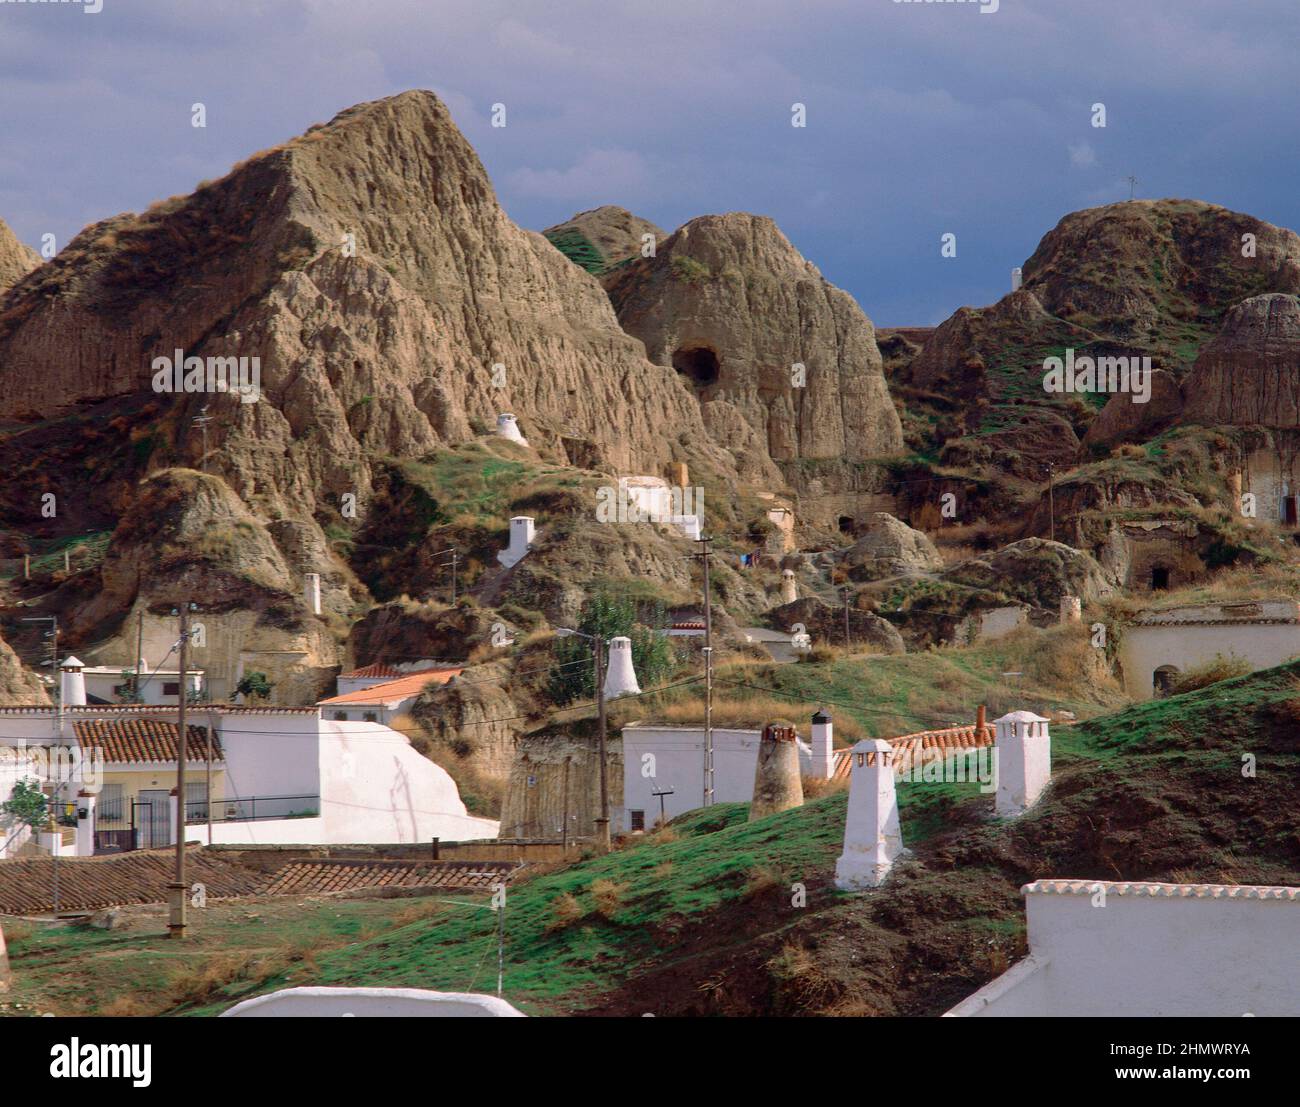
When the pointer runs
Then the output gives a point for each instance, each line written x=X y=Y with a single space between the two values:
x=789 y=591
x=508 y=427
x=823 y=742
x=313 y=592
x=620 y=676
x=72 y=683
x=1016 y=278
x=1071 y=609
x=1024 y=764
x=521 y=538
x=872 y=838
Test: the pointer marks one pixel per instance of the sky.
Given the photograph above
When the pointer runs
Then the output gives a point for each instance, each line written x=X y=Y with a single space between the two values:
x=922 y=119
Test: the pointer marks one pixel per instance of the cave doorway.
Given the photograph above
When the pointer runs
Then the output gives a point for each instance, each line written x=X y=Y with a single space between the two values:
x=698 y=363
x=1159 y=578
x=1162 y=680
x=846 y=524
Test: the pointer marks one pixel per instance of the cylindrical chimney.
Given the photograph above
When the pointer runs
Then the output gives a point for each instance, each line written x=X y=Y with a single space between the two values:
x=508 y=427
x=620 y=676
x=979 y=721
x=777 y=786
x=72 y=683
x=789 y=590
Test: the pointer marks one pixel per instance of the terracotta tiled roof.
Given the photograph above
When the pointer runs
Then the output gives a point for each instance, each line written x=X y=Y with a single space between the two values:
x=144 y=740
x=88 y=883
x=380 y=669
x=907 y=746
x=341 y=875
x=165 y=710
x=410 y=685
x=1070 y=887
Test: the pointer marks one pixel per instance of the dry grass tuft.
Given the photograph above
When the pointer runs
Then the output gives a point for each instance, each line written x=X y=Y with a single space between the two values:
x=608 y=897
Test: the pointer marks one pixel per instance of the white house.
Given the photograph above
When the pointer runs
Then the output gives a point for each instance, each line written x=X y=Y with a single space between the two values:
x=1158 y=646
x=279 y=775
x=1123 y=949
x=368 y=676
x=386 y=701
x=660 y=758
x=110 y=683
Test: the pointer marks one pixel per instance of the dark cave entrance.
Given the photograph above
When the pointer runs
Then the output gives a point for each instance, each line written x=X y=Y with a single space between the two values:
x=699 y=363
x=846 y=524
x=1159 y=579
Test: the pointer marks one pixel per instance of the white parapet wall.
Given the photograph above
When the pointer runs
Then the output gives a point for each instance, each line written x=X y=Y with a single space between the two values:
x=391 y=1003
x=1133 y=949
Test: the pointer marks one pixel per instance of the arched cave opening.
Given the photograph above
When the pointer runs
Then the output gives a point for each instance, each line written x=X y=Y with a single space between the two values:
x=1159 y=578
x=846 y=524
x=699 y=363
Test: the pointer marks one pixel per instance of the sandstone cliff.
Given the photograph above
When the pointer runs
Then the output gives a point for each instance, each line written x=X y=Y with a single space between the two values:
x=18 y=685
x=732 y=306
x=16 y=258
x=188 y=538
x=370 y=268
x=1250 y=372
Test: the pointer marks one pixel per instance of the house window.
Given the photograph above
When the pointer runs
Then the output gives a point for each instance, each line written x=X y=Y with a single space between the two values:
x=196 y=800
x=111 y=808
x=341 y=716
x=370 y=717
x=637 y=820
x=171 y=688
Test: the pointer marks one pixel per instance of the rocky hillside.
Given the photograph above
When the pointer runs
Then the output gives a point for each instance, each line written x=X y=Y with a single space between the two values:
x=734 y=309
x=16 y=259
x=1250 y=372
x=370 y=268
x=603 y=237
x=1145 y=278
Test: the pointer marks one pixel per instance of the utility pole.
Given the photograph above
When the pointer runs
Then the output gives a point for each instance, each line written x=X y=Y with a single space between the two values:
x=602 y=823
x=454 y=554
x=201 y=420
x=176 y=922
x=564 y=827
x=704 y=555
x=139 y=656
x=501 y=940
x=1132 y=186
x=53 y=635
x=846 y=617
x=1051 y=498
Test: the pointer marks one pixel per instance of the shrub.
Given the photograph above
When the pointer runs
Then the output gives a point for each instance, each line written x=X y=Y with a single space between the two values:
x=688 y=269
x=608 y=897
x=1213 y=671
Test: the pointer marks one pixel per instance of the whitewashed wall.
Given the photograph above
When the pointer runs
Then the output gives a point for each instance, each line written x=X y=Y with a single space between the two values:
x=1151 y=955
x=1185 y=646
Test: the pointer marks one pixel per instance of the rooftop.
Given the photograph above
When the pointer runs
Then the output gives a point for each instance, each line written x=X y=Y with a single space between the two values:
x=1072 y=887
x=907 y=746
x=392 y=691
x=144 y=740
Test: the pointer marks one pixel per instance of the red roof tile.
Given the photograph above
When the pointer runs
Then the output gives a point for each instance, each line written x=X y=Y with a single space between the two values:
x=144 y=740
x=907 y=746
